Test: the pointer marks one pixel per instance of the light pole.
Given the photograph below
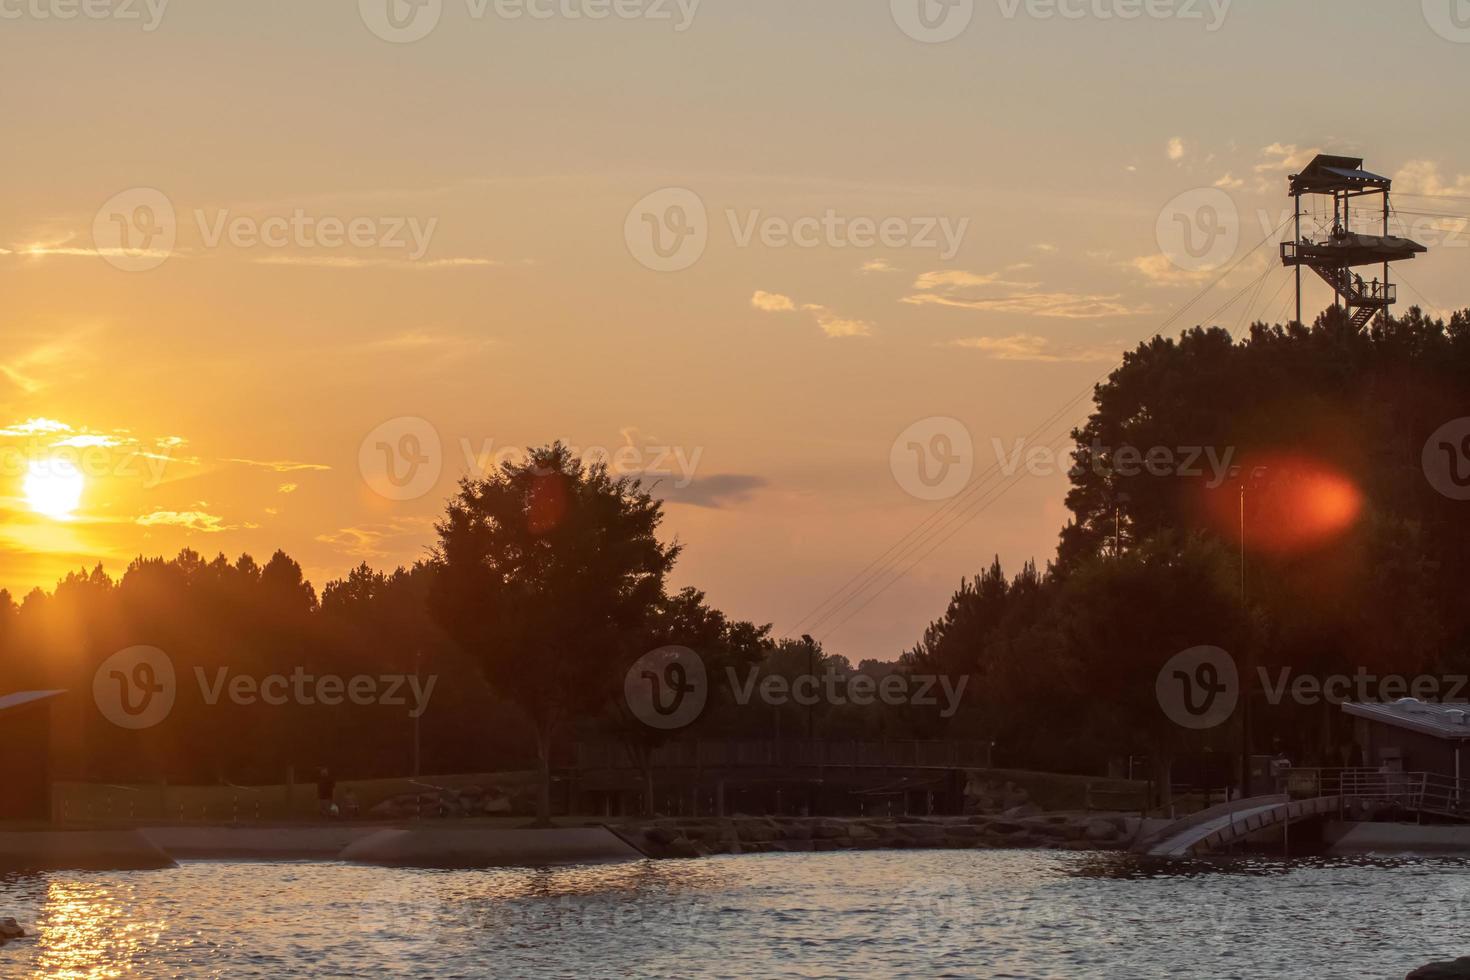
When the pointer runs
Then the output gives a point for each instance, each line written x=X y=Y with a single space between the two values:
x=417 y=656
x=1253 y=481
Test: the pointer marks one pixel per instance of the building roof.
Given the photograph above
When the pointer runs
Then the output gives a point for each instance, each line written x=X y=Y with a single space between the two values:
x=1327 y=173
x=1447 y=721
x=22 y=698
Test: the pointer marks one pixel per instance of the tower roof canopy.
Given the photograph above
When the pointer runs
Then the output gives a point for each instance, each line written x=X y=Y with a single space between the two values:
x=1328 y=173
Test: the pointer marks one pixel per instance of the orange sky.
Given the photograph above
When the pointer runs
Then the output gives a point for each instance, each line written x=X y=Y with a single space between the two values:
x=245 y=250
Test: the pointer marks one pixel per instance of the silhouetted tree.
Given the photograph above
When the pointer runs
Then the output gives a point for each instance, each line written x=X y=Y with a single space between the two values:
x=547 y=570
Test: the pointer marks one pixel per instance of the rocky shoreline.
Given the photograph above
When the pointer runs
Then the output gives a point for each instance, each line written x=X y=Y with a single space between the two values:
x=10 y=930
x=687 y=837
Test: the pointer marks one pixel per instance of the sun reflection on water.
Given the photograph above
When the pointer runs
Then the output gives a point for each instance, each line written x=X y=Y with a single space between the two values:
x=91 y=931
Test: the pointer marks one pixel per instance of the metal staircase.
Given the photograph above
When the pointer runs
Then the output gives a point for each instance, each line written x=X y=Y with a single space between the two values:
x=1344 y=180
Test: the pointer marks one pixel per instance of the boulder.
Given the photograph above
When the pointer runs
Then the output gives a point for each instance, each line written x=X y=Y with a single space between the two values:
x=756 y=831
x=683 y=847
x=921 y=831
x=1024 y=810
x=796 y=830
x=663 y=836
x=10 y=929
x=1101 y=830
x=1454 y=970
x=829 y=830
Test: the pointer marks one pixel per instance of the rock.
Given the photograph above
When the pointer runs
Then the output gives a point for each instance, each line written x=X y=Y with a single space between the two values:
x=921 y=831
x=495 y=803
x=1024 y=810
x=683 y=847
x=757 y=831
x=1100 y=830
x=1456 y=970
x=829 y=830
x=664 y=836
x=796 y=830
x=10 y=929
x=861 y=831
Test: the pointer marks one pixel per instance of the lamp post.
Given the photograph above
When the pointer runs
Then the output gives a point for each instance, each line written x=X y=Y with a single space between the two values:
x=1251 y=481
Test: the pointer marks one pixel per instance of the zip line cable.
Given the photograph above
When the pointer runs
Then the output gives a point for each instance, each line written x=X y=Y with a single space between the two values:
x=871 y=574
x=972 y=508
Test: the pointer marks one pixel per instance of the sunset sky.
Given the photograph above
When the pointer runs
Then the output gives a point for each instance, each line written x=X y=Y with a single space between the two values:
x=228 y=384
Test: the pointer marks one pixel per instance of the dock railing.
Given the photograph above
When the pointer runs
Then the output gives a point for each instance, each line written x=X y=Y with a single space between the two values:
x=1421 y=792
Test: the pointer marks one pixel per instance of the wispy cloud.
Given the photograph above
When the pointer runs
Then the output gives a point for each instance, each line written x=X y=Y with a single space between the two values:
x=992 y=292
x=31 y=427
x=193 y=520
x=1030 y=347
x=279 y=465
x=1422 y=178
x=712 y=492
x=375 y=262
x=772 y=302
x=833 y=324
x=365 y=541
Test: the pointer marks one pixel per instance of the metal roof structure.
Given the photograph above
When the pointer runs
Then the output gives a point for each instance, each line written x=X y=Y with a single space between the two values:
x=1328 y=173
x=1447 y=721
x=21 y=699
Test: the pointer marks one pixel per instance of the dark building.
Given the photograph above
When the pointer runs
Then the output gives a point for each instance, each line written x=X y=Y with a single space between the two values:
x=25 y=755
x=1413 y=736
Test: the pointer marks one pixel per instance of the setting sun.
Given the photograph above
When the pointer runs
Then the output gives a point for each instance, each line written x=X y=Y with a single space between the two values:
x=53 y=487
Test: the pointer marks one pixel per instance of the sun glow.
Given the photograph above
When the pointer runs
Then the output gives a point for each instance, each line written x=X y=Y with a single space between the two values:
x=53 y=487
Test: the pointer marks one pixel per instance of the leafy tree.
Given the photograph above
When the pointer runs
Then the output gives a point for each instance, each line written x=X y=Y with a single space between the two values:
x=546 y=571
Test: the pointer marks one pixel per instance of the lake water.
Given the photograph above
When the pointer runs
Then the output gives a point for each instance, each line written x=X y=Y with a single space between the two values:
x=872 y=914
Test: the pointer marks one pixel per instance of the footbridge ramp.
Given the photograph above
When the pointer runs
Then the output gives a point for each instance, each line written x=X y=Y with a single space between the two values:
x=1229 y=823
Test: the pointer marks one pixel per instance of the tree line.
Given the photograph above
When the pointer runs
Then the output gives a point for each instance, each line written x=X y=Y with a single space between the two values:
x=550 y=577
